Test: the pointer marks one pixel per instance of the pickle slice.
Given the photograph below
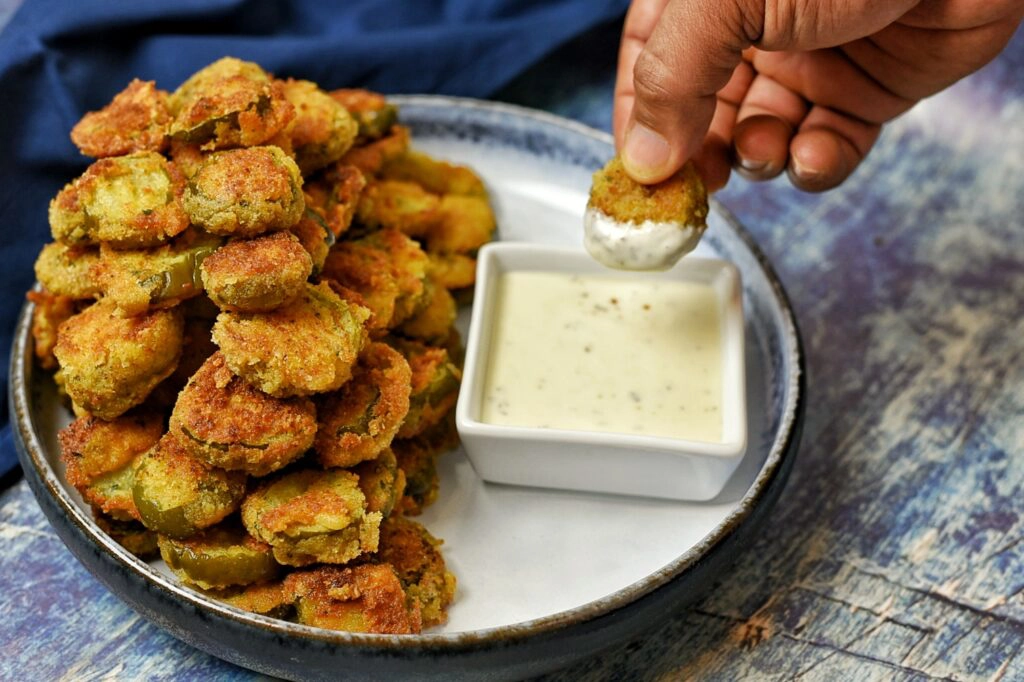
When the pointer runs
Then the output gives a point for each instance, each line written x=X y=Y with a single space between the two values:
x=219 y=557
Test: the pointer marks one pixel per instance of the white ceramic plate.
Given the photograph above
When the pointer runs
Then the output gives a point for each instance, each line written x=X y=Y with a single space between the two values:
x=545 y=576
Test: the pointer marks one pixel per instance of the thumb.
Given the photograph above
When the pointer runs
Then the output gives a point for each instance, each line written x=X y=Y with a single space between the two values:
x=682 y=59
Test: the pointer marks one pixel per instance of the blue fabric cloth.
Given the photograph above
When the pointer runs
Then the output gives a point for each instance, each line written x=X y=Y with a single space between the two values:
x=59 y=60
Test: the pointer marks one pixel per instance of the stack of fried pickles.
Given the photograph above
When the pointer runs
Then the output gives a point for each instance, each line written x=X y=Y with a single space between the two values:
x=249 y=303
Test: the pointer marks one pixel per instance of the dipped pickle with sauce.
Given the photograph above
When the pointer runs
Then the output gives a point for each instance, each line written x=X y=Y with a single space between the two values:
x=249 y=307
x=631 y=226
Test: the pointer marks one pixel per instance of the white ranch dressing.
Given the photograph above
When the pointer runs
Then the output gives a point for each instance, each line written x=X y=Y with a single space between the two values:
x=649 y=245
x=598 y=353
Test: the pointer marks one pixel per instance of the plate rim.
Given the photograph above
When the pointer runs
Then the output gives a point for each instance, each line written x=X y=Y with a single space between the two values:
x=30 y=451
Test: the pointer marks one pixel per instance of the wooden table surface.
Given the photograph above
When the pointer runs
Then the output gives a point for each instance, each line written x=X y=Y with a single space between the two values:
x=895 y=552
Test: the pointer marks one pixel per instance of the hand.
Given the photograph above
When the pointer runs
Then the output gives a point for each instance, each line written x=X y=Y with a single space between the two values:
x=797 y=85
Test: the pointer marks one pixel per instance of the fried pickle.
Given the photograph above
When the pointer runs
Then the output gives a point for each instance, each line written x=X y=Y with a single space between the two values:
x=136 y=120
x=322 y=130
x=99 y=456
x=311 y=516
x=125 y=202
x=435 y=385
x=222 y=420
x=365 y=598
x=308 y=346
x=381 y=481
x=413 y=553
x=177 y=495
x=258 y=274
x=50 y=311
x=358 y=421
x=245 y=192
x=371 y=110
x=137 y=280
x=218 y=557
x=229 y=103
x=67 y=270
x=110 y=363
x=439 y=177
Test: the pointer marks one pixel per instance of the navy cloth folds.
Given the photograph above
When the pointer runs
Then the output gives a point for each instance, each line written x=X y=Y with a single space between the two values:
x=60 y=59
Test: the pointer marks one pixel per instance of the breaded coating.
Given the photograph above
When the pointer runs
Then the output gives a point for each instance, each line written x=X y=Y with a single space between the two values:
x=435 y=385
x=417 y=459
x=398 y=204
x=110 y=363
x=433 y=322
x=99 y=455
x=187 y=157
x=367 y=270
x=315 y=236
x=322 y=130
x=359 y=420
x=409 y=265
x=371 y=111
x=49 y=313
x=366 y=598
x=381 y=481
x=177 y=495
x=335 y=196
x=371 y=156
x=452 y=270
x=126 y=202
x=222 y=420
x=229 y=103
x=258 y=274
x=308 y=346
x=136 y=120
x=197 y=345
x=311 y=516
x=439 y=177
x=413 y=552
x=132 y=535
x=245 y=192
x=219 y=557
x=266 y=599
x=466 y=223
x=680 y=199
x=67 y=270
x=138 y=280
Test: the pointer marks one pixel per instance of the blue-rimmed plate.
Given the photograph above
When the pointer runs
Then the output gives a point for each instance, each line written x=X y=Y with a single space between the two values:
x=545 y=577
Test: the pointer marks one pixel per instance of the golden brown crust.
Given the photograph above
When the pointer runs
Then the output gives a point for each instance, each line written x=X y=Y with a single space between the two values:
x=371 y=157
x=94 y=451
x=367 y=270
x=397 y=204
x=49 y=313
x=366 y=598
x=245 y=192
x=135 y=120
x=257 y=275
x=308 y=346
x=67 y=270
x=229 y=103
x=310 y=516
x=680 y=199
x=132 y=201
x=222 y=420
x=413 y=552
x=322 y=130
x=358 y=421
x=110 y=363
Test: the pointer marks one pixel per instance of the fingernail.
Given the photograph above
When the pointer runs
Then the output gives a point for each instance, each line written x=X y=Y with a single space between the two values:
x=802 y=172
x=645 y=153
x=750 y=168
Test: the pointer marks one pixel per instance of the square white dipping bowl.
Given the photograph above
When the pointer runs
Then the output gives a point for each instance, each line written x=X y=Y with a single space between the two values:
x=593 y=460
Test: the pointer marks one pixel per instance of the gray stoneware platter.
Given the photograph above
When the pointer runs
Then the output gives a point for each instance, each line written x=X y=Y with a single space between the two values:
x=546 y=578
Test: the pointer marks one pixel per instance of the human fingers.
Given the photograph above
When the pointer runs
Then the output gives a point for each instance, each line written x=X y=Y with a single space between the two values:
x=827 y=148
x=640 y=20
x=766 y=121
x=689 y=55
